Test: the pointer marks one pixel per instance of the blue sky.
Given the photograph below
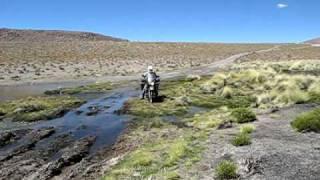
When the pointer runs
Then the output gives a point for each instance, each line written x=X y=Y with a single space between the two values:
x=171 y=20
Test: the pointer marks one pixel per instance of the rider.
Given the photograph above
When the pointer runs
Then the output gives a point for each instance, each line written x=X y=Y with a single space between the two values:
x=150 y=74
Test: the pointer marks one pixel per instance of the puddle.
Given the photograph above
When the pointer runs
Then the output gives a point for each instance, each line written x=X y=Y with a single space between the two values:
x=11 y=92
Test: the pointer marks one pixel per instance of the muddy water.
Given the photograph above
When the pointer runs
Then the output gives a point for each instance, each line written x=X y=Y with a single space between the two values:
x=10 y=92
x=97 y=117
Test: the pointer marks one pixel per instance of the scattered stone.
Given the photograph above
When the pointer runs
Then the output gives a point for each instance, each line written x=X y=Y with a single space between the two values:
x=225 y=125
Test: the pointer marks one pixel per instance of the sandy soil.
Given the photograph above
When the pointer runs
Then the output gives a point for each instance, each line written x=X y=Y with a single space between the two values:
x=277 y=151
x=57 y=61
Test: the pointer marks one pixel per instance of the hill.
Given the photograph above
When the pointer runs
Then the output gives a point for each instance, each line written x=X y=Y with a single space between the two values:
x=313 y=41
x=16 y=35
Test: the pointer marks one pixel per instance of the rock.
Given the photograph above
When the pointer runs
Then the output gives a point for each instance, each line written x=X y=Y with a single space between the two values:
x=94 y=110
x=78 y=112
x=5 y=138
x=70 y=155
x=29 y=141
x=193 y=77
x=225 y=125
x=11 y=136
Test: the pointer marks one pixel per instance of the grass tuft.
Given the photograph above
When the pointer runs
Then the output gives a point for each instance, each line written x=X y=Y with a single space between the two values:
x=226 y=170
x=308 y=121
x=243 y=115
x=247 y=128
x=241 y=139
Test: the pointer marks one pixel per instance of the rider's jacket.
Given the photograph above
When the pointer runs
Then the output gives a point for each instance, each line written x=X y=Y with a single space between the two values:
x=150 y=76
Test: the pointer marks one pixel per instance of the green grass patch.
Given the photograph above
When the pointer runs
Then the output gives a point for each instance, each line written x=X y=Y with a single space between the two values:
x=226 y=170
x=243 y=115
x=215 y=101
x=241 y=139
x=38 y=108
x=175 y=152
x=308 y=121
x=247 y=128
x=142 y=108
x=210 y=119
x=91 y=88
x=160 y=157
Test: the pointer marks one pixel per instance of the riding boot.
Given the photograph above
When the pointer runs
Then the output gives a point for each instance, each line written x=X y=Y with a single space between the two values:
x=142 y=94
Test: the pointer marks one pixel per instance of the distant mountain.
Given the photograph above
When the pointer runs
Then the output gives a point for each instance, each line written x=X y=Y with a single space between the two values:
x=313 y=41
x=17 y=35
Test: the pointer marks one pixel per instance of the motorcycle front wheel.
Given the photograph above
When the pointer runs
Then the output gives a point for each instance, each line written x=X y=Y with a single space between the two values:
x=150 y=96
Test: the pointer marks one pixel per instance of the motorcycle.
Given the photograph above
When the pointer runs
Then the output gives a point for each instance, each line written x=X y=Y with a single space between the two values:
x=152 y=89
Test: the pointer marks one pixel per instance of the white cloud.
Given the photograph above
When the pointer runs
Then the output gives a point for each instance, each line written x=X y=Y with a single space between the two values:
x=281 y=5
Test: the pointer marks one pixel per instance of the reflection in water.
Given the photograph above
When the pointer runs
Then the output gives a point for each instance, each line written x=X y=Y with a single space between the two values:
x=19 y=91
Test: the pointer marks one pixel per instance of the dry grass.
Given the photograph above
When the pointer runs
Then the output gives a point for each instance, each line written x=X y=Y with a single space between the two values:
x=36 y=60
x=285 y=53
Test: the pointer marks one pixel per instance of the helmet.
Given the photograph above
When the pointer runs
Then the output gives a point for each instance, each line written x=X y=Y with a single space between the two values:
x=150 y=68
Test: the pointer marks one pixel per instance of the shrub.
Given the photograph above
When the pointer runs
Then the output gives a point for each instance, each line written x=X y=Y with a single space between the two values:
x=243 y=115
x=247 y=128
x=241 y=139
x=308 y=121
x=226 y=170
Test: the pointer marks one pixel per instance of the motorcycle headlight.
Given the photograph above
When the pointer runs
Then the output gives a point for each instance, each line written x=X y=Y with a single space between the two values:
x=152 y=84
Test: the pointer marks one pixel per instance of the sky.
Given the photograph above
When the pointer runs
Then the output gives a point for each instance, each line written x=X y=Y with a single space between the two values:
x=171 y=20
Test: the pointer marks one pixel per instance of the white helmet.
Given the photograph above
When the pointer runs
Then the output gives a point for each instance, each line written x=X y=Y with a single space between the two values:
x=150 y=68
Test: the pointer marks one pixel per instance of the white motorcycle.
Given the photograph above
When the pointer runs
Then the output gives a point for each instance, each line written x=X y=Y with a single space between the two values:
x=152 y=90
